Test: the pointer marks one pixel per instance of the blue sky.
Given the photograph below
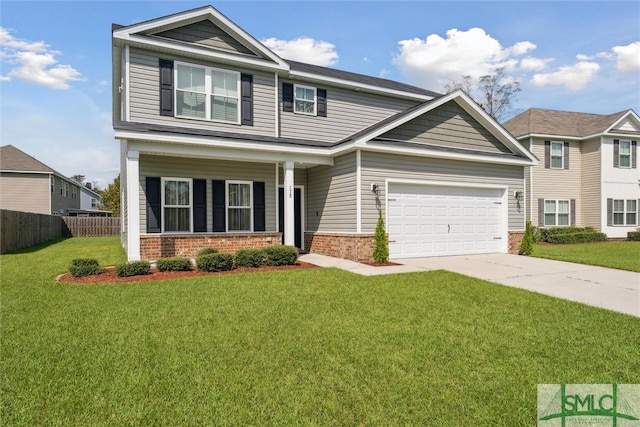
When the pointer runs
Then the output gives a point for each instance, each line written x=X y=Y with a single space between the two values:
x=55 y=75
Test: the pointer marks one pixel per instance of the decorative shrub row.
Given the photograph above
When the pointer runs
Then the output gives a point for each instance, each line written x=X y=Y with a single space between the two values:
x=215 y=262
x=135 y=268
x=567 y=235
x=250 y=257
x=633 y=236
x=173 y=264
x=270 y=256
x=280 y=255
x=81 y=267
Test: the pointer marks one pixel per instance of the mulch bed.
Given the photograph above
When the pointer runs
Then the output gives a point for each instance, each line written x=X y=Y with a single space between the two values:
x=108 y=275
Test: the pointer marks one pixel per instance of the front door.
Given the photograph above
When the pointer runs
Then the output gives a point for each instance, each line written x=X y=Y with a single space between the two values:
x=297 y=211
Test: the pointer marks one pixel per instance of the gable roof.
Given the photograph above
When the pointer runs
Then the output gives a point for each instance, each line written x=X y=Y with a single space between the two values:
x=538 y=121
x=15 y=160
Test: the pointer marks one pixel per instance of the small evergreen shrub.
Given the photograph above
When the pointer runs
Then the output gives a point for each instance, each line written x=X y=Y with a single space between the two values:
x=633 y=236
x=135 y=268
x=81 y=267
x=207 y=251
x=250 y=258
x=173 y=264
x=381 y=250
x=215 y=262
x=280 y=255
x=526 y=247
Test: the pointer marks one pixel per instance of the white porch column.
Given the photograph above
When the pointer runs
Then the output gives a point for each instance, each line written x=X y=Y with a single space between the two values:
x=289 y=228
x=133 y=205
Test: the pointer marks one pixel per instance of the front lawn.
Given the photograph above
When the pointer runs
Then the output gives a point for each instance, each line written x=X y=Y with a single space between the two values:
x=622 y=255
x=304 y=347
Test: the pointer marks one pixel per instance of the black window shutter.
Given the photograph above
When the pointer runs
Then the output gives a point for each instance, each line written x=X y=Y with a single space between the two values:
x=572 y=214
x=547 y=154
x=616 y=153
x=566 y=155
x=199 y=205
x=540 y=212
x=219 y=208
x=634 y=154
x=154 y=202
x=287 y=97
x=246 y=90
x=609 y=211
x=166 y=87
x=259 y=211
x=322 y=102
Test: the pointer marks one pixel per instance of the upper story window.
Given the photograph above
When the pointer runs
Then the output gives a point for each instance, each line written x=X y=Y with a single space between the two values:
x=625 y=154
x=305 y=99
x=94 y=203
x=207 y=93
x=557 y=155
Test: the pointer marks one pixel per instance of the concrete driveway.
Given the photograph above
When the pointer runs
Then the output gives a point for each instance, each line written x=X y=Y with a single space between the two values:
x=615 y=290
x=600 y=287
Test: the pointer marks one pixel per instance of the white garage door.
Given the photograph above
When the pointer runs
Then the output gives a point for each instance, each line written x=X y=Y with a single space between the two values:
x=439 y=220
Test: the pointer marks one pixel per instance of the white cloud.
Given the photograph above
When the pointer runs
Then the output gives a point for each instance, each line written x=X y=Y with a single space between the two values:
x=304 y=49
x=627 y=57
x=534 y=64
x=435 y=61
x=573 y=77
x=35 y=62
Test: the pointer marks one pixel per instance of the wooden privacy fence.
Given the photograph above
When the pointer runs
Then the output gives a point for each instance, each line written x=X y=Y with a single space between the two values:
x=23 y=229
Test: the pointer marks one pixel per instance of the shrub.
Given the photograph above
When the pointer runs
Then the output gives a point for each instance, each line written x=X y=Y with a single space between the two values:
x=577 y=237
x=207 y=251
x=633 y=236
x=135 y=268
x=173 y=264
x=381 y=251
x=250 y=257
x=215 y=262
x=526 y=247
x=280 y=255
x=81 y=267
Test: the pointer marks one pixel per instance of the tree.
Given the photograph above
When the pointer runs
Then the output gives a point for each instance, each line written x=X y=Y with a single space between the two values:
x=495 y=92
x=111 y=197
x=78 y=178
x=381 y=250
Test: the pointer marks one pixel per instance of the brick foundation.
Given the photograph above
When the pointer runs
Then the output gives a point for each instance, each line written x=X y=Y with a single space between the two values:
x=153 y=247
x=354 y=247
x=515 y=240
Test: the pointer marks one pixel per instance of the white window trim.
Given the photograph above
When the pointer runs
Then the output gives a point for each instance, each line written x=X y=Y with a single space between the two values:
x=561 y=155
x=626 y=155
x=208 y=92
x=226 y=205
x=624 y=213
x=315 y=100
x=557 y=213
x=163 y=206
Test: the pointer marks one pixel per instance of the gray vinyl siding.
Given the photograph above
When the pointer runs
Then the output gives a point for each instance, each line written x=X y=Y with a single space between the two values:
x=145 y=94
x=377 y=167
x=557 y=184
x=205 y=33
x=331 y=196
x=348 y=112
x=183 y=167
x=25 y=192
x=448 y=125
x=591 y=179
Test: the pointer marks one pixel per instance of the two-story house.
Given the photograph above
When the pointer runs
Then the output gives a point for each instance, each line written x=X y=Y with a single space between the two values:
x=225 y=144
x=28 y=185
x=589 y=176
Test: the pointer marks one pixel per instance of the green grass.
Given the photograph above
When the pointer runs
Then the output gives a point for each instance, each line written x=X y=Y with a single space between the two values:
x=305 y=347
x=622 y=255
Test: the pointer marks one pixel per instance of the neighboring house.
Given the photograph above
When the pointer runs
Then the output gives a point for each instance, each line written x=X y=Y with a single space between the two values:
x=29 y=185
x=225 y=144
x=89 y=204
x=589 y=176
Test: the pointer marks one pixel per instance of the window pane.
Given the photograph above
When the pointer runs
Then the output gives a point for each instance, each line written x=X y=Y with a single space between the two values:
x=631 y=218
x=563 y=206
x=240 y=195
x=225 y=84
x=191 y=104
x=239 y=219
x=550 y=206
x=618 y=219
x=625 y=161
x=304 y=107
x=625 y=147
x=563 y=219
x=176 y=219
x=556 y=149
x=224 y=109
x=631 y=205
x=549 y=219
x=176 y=193
x=618 y=205
x=191 y=78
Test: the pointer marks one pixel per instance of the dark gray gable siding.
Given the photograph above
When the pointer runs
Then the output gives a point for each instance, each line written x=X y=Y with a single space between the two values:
x=206 y=33
x=448 y=125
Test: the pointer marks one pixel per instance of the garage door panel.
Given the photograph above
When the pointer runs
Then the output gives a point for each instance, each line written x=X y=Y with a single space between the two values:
x=438 y=220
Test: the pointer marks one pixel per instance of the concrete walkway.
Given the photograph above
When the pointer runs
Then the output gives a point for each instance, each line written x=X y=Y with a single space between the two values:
x=596 y=286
